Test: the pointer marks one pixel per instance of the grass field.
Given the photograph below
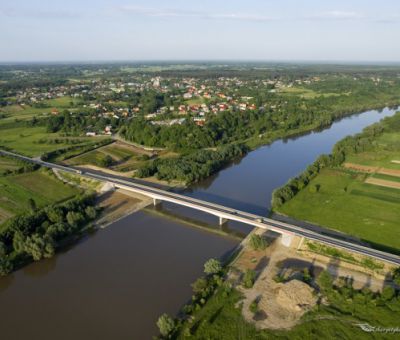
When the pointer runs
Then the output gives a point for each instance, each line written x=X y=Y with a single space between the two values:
x=62 y=102
x=26 y=140
x=7 y=163
x=345 y=203
x=305 y=93
x=16 y=190
x=125 y=158
x=195 y=101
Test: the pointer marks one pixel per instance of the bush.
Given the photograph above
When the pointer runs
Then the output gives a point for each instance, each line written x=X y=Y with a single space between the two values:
x=325 y=281
x=212 y=266
x=166 y=325
x=253 y=307
x=249 y=278
x=306 y=275
x=257 y=242
x=199 y=285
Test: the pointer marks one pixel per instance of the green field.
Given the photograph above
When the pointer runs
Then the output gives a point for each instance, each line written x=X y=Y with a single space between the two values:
x=27 y=140
x=221 y=318
x=345 y=203
x=44 y=188
x=305 y=93
x=7 y=163
x=62 y=102
x=123 y=158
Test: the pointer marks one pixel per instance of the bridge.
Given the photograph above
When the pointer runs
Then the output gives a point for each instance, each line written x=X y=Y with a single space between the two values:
x=223 y=213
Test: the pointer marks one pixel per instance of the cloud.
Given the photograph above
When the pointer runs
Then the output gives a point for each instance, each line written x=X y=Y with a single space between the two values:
x=38 y=13
x=177 y=13
x=332 y=15
x=339 y=15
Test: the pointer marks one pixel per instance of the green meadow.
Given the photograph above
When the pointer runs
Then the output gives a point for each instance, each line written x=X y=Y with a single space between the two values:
x=345 y=203
x=41 y=186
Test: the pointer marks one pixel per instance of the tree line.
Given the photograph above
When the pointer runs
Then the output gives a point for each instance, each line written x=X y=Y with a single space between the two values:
x=364 y=141
x=36 y=235
x=192 y=167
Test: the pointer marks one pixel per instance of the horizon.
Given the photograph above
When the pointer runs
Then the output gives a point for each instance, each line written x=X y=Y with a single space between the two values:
x=127 y=30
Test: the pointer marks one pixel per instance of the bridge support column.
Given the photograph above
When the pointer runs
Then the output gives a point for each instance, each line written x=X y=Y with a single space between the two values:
x=156 y=201
x=222 y=221
x=286 y=240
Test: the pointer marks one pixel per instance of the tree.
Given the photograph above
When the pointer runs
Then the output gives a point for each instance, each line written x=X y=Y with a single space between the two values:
x=325 y=280
x=249 y=278
x=166 y=325
x=388 y=293
x=199 y=285
x=257 y=242
x=106 y=161
x=212 y=266
x=3 y=249
x=396 y=276
x=6 y=266
x=91 y=212
x=32 y=204
x=74 y=219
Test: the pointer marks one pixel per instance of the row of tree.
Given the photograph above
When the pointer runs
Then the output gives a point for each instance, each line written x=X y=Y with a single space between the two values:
x=36 y=235
x=364 y=141
x=192 y=167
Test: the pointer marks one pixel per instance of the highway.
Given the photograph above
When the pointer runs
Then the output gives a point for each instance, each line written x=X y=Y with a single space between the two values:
x=223 y=212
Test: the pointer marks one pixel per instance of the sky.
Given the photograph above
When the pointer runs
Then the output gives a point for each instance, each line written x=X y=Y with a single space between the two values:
x=265 y=30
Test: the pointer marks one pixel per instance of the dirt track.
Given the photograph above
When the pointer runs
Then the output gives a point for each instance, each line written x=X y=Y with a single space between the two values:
x=383 y=183
x=372 y=169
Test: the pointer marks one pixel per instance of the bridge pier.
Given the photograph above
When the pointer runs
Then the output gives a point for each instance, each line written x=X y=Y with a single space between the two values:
x=156 y=201
x=286 y=240
x=222 y=220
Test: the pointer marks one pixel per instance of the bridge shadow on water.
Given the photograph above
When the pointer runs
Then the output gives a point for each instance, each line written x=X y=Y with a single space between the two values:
x=169 y=212
x=226 y=201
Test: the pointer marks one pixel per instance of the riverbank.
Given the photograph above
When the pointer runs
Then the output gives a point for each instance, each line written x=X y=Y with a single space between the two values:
x=365 y=181
x=118 y=204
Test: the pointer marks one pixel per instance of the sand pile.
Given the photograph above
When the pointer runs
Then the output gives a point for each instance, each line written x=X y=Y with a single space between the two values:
x=296 y=296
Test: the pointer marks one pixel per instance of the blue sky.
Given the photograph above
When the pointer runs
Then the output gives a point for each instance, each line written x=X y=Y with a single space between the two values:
x=352 y=30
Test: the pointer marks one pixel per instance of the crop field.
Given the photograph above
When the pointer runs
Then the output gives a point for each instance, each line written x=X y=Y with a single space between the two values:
x=305 y=93
x=62 y=102
x=125 y=158
x=345 y=203
x=16 y=190
x=29 y=140
x=7 y=163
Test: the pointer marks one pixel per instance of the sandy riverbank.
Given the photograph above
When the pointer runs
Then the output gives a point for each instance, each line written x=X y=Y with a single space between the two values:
x=118 y=204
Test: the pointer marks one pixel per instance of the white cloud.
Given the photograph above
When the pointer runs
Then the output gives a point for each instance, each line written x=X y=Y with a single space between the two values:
x=334 y=15
x=167 y=13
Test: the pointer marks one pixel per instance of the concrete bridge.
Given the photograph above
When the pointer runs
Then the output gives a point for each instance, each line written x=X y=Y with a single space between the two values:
x=223 y=213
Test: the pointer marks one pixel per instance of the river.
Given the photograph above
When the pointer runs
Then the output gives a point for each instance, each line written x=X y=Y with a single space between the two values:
x=116 y=282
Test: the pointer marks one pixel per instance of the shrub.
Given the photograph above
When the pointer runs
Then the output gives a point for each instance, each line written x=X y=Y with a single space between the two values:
x=253 y=307
x=249 y=278
x=212 y=266
x=257 y=242
x=166 y=325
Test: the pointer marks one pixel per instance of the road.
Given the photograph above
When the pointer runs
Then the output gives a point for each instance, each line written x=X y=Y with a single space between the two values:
x=223 y=212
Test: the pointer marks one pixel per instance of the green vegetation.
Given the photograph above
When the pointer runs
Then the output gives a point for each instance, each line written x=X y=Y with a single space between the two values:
x=221 y=318
x=36 y=235
x=18 y=189
x=257 y=242
x=192 y=167
x=338 y=197
x=249 y=278
x=343 y=255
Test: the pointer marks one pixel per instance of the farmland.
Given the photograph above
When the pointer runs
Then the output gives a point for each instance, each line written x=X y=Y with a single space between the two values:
x=361 y=197
x=16 y=190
